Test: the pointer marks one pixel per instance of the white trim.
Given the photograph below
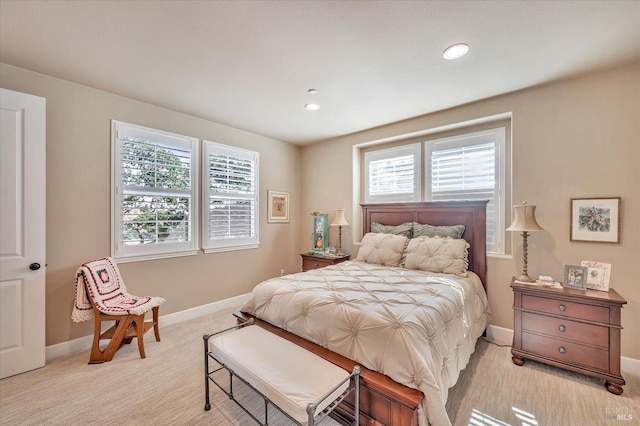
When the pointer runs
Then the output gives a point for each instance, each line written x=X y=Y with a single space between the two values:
x=630 y=365
x=499 y=335
x=504 y=336
x=83 y=343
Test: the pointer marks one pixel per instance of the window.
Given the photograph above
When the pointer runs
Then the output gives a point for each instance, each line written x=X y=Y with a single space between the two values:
x=464 y=167
x=231 y=202
x=470 y=167
x=155 y=193
x=393 y=174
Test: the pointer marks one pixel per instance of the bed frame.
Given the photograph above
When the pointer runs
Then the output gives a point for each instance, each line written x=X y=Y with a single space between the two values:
x=383 y=401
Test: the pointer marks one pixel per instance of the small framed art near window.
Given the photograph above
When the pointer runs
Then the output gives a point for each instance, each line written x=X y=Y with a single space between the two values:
x=595 y=219
x=320 y=232
x=278 y=207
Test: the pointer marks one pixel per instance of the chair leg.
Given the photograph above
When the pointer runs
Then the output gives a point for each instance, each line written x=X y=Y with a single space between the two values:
x=139 y=321
x=99 y=356
x=96 y=356
x=156 y=328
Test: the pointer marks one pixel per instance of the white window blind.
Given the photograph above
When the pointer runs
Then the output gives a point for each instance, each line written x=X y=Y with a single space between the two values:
x=470 y=167
x=154 y=193
x=231 y=207
x=393 y=174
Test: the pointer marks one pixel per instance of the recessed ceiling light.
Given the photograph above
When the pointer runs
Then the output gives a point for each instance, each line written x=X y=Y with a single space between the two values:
x=455 y=51
x=312 y=91
x=312 y=107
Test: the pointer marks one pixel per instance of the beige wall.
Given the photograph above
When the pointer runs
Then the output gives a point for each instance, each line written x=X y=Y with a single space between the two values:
x=575 y=138
x=570 y=139
x=78 y=203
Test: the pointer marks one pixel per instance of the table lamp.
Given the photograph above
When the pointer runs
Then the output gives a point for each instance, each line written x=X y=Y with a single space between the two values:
x=339 y=221
x=525 y=221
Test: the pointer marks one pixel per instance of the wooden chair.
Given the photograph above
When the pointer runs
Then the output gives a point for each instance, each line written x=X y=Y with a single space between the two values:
x=101 y=294
x=122 y=332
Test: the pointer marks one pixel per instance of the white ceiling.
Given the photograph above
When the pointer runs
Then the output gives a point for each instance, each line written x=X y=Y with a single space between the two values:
x=249 y=64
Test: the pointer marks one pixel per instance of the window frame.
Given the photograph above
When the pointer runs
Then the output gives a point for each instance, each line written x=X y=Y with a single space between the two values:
x=213 y=246
x=123 y=253
x=494 y=135
x=500 y=123
x=414 y=149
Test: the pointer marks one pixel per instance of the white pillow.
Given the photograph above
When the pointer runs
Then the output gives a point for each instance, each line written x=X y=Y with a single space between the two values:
x=382 y=249
x=438 y=254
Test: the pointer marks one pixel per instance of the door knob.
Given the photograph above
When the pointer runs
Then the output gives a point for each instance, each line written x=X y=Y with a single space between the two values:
x=34 y=266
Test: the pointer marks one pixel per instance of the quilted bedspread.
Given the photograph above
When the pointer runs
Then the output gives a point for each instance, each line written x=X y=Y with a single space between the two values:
x=418 y=328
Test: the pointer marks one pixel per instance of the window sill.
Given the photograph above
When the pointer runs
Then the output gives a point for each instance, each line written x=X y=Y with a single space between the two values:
x=142 y=257
x=230 y=248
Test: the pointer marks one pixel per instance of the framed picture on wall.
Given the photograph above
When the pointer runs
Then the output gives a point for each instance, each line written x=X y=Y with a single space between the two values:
x=595 y=219
x=278 y=207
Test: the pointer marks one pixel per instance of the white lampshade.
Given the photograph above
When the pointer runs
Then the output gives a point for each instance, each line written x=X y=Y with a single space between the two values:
x=525 y=219
x=339 y=219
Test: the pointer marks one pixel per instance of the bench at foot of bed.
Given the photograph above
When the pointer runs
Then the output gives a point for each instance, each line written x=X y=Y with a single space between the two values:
x=303 y=386
x=382 y=401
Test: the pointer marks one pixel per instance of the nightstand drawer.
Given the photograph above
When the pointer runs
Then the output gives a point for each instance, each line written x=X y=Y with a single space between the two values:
x=569 y=309
x=314 y=264
x=567 y=352
x=566 y=329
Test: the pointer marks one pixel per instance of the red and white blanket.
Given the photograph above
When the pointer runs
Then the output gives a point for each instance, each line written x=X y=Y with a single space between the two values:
x=101 y=282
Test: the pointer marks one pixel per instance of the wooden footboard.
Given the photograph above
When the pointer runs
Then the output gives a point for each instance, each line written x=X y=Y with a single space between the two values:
x=382 y=401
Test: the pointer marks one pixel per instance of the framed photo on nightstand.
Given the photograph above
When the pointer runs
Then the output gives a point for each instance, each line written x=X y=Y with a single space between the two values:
x=575 y=277
x=598 y=275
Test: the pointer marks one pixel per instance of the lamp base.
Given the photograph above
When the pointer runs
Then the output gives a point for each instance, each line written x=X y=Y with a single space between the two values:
x=526 y=279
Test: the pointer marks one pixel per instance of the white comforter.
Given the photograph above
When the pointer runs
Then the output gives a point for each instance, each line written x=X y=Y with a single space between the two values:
x=416 y=327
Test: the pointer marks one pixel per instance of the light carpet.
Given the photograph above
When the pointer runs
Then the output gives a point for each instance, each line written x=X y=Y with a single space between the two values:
x=167 y=388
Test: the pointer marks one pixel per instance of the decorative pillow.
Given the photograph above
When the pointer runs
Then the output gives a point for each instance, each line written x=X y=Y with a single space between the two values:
x=382 y=249
x=446 y=255
x=404 y=229
x=453 y=231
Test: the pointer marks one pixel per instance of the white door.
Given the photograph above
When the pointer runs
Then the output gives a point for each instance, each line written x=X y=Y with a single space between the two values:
x=22 y=232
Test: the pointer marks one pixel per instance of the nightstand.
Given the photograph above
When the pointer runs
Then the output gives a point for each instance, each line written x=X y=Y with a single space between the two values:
x=578 y=330
x=317 y=261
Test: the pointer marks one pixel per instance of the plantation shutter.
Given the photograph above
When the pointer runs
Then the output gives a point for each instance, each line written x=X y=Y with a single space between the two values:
x=468 y=168
x=393 y=174
x=154 y=193
x=232 y=206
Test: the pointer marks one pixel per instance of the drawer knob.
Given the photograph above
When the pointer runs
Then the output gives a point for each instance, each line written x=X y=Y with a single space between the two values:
x=315 y=264
x=562 y=328
x=562 y=308
x=562 y=350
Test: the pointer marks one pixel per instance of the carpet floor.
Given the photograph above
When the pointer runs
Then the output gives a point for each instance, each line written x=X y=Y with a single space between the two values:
x=167 y=388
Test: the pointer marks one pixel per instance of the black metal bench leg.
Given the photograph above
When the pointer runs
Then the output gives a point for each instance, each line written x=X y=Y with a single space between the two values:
x=207 y=404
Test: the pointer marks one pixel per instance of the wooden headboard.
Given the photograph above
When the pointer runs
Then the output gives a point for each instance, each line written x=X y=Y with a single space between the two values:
x=471 y=214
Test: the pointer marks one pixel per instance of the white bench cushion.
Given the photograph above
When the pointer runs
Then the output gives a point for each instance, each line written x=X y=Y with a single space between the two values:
x=290 y=376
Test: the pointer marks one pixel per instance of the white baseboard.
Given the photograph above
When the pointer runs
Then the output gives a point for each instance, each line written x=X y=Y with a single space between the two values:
x=84 y=343
x=504 y=336
x=499 y=335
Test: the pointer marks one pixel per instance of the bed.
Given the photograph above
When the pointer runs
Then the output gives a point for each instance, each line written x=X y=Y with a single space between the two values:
x=412 y=328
